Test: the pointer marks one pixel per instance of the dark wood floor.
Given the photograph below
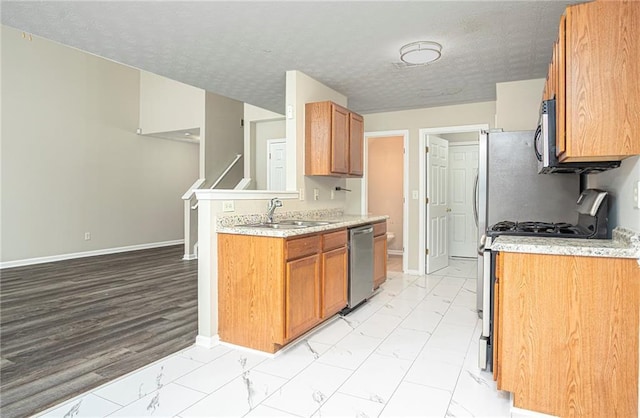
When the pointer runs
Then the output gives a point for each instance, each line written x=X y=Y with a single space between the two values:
x=70 y=326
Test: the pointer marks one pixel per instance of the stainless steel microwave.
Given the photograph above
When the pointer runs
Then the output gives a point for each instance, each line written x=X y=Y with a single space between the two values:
x=545 y=147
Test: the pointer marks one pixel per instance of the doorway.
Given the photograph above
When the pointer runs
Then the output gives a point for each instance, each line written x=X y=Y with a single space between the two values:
x=428 y=232
x=277 y=164
x=384 y=189
x=463 y=181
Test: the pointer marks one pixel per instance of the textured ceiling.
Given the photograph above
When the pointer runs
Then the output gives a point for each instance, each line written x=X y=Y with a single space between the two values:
x=243 y=49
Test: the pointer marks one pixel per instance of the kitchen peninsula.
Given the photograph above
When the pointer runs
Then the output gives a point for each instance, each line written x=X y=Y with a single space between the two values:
x=280 y=279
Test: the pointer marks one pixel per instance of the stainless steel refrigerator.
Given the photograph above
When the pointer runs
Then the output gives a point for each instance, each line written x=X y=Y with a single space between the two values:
x=509 y=188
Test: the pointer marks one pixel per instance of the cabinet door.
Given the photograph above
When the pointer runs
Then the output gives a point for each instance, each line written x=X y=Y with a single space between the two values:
x=560 y=69
x=302 y=295
x=603 y=94
x=379 y=260
x=496 y=334
x=568 y=333
x=339 y=140
x=356 y=143
x=334 y=281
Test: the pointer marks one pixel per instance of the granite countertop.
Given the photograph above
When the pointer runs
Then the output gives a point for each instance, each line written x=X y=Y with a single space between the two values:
x=233 y=225
x=624 y=244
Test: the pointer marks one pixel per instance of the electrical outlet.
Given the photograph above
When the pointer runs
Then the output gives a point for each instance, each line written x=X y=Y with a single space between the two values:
x=414 y=194
x=636 y=192
x=333 y=194
x=316 y=194
x=301 y=194
x=227 y=206
x=87 y=236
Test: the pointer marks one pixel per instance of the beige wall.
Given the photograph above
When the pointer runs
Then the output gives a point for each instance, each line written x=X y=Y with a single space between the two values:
x=384 y=183
x=223 y=139
x=413 y=121
x=167 y=105
x=518 y=104
x=265 y=131
x=71 y=160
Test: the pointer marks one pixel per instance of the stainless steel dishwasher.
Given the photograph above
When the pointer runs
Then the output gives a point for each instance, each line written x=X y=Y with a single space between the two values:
x=360 y=265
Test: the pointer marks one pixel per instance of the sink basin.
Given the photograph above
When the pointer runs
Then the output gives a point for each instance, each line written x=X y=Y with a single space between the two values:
x=303 y=222
x=275 y=225
x=287 y=224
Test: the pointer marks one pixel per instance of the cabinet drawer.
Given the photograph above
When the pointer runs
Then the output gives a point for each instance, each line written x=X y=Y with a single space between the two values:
x=302 y=247
x=379 y=228
x=333 y=240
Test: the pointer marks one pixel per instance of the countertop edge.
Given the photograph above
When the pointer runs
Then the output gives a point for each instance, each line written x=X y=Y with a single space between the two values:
x=625 y=244
x=287 y=233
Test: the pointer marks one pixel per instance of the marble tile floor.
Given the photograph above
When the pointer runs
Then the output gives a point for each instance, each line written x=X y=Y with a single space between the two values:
x=409 y=351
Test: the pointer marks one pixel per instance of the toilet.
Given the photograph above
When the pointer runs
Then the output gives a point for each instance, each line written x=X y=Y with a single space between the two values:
x=390 y=237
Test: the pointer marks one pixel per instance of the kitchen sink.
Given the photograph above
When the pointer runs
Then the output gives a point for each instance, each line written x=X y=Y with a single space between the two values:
x=303 y=222
x=287 y=224
x=274 y=225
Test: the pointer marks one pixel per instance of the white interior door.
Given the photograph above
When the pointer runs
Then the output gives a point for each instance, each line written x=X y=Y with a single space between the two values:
x=437 y=180
x=463 y=232
x=276 y=164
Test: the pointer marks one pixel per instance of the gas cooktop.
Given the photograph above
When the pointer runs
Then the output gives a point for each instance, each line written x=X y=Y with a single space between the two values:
x=532 y=228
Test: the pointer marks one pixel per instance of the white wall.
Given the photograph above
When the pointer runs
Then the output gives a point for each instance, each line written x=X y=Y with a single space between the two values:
x=518 y=104
x=71 y=160
x=619 y=183
x=168 y=105
x=413 y=120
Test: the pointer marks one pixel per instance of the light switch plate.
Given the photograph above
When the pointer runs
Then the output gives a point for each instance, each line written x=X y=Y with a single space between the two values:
x=414 y=194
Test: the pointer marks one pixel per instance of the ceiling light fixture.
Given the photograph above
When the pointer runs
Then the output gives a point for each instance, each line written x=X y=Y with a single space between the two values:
x=421 y=52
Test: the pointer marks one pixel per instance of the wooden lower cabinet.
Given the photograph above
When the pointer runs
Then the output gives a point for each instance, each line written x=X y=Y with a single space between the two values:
x=379 y=254
x=302 y=295
x=566 y=333
x=334 y=281
x=272 y=290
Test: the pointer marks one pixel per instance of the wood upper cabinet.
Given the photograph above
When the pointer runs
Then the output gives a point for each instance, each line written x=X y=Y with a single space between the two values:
x=593 y=75
x=566 y=333
x=334 y=139
x=272 y=290
x=356 y=144
x=379 y=253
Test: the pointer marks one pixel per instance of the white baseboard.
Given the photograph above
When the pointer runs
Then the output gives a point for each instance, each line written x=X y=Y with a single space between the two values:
x=207 y=342
x=395 y=252
x=189 y=257
x=70 y=256
x=413 y=272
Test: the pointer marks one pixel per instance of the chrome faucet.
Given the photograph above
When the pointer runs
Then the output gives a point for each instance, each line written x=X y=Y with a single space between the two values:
x=273 y=204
